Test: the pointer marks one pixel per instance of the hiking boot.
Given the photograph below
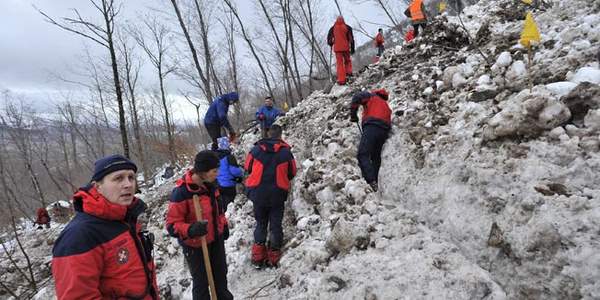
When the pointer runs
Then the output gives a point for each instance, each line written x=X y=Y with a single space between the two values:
x=374 y=186
x=274 y=257
x=259 y=255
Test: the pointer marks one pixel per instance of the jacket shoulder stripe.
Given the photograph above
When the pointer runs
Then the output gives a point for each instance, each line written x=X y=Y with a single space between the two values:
x=85 y=233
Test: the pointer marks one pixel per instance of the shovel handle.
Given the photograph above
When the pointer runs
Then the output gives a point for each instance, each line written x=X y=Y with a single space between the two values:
x=208 y=267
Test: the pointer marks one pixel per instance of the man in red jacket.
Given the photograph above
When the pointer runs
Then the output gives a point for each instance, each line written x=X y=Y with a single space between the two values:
x=102 y=253
x=271 y=166
x=379 y=42
x=340 y=37
x=376 y=124
x=182 y=223
x=43 y=218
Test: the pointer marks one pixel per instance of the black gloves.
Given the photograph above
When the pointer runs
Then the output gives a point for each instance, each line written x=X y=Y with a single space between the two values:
x=198 y=229
x=238 y=179
x=352 y=51
x=226 y=232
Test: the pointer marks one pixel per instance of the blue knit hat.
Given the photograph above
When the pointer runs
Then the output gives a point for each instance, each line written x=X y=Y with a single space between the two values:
x=223 y=143
x=111 y=163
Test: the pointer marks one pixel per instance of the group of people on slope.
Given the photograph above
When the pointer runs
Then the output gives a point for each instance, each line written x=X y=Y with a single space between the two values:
x=103 y=253
x=341 y=39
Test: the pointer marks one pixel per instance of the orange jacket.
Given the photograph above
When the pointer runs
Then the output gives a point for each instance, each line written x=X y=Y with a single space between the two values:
x=379 y=39
x=416 y=12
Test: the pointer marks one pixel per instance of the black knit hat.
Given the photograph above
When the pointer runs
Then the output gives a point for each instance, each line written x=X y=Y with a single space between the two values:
x=111 y=163
x=205 y=161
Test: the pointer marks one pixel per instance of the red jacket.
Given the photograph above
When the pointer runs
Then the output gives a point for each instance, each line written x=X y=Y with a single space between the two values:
x=271 y=166
x=340 y=37
x=376 y=111
x=181 y=213
x=410 y=35
x=379 y=39
x=42 y=216
x=101 y=253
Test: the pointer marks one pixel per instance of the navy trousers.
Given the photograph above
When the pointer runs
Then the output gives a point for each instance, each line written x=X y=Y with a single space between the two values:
x=269 y=217
x=195 y=261
x=369 y=151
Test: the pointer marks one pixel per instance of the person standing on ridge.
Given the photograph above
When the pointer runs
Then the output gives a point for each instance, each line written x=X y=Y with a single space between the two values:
x=266 y=116
x=341 y=39
x=216 y=117
x=230 y=172
x=183 y=224
x=103 y=253
x=416 y=13
x=376 y=125
x=271 y=166
x=43 y=218
x=379 y=41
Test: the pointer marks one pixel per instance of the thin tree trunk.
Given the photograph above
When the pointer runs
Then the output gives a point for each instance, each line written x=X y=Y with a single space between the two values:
x=251 y=46
x=204 y=79
x=109 y=21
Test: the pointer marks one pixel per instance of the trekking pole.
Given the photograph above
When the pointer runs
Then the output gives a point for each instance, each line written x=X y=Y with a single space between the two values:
x=208 y=267
x=263 y=131
x=359 y=129
x=330 y=73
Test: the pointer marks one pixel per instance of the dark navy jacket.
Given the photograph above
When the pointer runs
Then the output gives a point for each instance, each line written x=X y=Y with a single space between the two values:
x=271 y=166
x=217 y=112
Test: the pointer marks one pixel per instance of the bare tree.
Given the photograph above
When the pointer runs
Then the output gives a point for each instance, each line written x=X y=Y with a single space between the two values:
x=157 y=53
x=307 y=25
x=248 y=40
x=205 y=79
x=20 y=133
x=103 y=35
x=386 y=7
x=132 y=67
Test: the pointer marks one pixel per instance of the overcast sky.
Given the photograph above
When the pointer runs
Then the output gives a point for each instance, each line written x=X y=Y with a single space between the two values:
x=32 y=49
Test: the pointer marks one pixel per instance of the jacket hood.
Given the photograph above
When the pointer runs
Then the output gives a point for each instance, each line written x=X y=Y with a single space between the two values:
x=339 y=20
x=90 y=201
x=272 y=145
x=190 y=185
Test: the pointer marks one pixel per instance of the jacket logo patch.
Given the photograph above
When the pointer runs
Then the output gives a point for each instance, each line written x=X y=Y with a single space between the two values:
x=123 y=256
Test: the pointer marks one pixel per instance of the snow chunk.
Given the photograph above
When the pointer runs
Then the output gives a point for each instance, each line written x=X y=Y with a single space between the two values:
x=458 y=80
x=517 y=71
x=504 y=59
x=428 y=91
x=528 y=114
x=592 y=119
x=588 y=74
x=484 y=80
x=561 y=88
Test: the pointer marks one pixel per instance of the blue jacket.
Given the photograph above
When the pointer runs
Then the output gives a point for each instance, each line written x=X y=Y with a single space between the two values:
x=229 y=169
x=271 y=113
x=217 y=112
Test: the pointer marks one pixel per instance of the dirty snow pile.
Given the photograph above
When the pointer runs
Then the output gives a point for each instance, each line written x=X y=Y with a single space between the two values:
x=488 y=189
